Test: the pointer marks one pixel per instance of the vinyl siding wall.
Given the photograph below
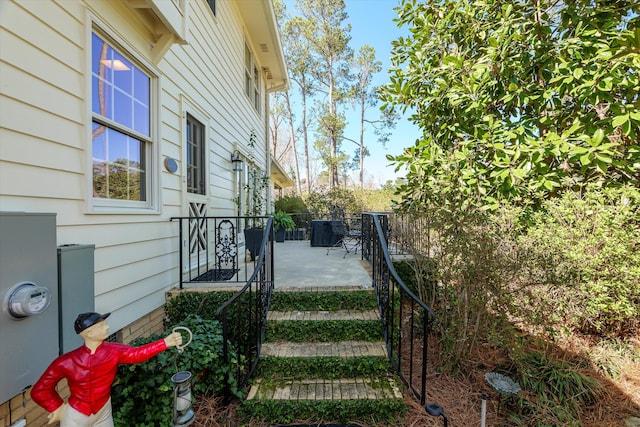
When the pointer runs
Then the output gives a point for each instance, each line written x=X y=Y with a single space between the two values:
x=45 y=133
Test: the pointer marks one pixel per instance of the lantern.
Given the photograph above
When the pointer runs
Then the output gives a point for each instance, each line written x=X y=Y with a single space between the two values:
x=183 y=414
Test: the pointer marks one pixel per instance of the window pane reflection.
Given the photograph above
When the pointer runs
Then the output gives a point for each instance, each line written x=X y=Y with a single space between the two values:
x=118 y=165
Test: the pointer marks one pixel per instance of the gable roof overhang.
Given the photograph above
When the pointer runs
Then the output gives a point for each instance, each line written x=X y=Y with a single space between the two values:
x=278 y=176
x=261 y=27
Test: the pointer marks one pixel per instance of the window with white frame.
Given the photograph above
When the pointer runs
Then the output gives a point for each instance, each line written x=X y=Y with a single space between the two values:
x=121 y=126
x=196 y=169
x=251 y=78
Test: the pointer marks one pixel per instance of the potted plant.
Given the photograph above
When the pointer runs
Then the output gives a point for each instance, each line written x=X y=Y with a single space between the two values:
x=282 y=221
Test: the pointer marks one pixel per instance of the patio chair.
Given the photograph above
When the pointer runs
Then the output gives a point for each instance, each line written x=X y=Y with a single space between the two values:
x=347 y=238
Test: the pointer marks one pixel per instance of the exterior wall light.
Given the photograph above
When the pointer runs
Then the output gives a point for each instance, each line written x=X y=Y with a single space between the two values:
x=237 y=161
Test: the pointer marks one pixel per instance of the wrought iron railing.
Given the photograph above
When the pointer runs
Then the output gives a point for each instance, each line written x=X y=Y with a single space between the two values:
x=244 y=317
x=406 y=320
x=211 y=250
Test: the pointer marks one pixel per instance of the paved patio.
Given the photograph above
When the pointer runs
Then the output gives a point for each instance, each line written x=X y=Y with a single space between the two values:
x=298 y=264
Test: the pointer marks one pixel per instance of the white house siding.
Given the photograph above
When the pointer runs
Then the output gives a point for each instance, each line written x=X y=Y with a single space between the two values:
x=45 y=133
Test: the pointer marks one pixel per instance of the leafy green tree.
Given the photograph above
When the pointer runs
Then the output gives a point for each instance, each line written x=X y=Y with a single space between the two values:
x=322 y=24
x=300 y=63
x=516 y=99
x=365 y=97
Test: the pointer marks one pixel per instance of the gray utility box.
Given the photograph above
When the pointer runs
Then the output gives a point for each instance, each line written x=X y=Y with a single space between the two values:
x=76 y=290
x=29 y=342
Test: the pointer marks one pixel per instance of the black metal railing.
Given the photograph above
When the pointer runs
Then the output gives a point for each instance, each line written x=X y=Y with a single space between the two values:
x=211 y=250
x=244 y=317
x=406 y=320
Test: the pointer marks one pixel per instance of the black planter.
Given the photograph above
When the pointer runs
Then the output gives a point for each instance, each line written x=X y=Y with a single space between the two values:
x=252 y=240
x=279 y=235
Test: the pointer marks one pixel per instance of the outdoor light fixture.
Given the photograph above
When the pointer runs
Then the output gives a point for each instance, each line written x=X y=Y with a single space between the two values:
x=436 y=410
x=236 y=160
x=183 y=414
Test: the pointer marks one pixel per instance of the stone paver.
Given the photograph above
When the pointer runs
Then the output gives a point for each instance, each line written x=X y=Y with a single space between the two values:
x=342 y=349
x=321 y=389
x=322 y=315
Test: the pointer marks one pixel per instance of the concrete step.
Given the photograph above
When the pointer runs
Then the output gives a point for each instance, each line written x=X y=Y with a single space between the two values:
x=321 y=389
x=342 y=349
x=322 y=315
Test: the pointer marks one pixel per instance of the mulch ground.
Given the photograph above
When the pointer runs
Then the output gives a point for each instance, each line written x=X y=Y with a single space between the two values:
x=461 y=396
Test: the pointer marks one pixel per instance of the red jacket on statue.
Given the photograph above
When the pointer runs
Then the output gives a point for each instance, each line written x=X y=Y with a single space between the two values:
x=89 y=375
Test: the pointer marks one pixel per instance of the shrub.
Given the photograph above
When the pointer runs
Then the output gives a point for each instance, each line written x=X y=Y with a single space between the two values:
x=202 y=304
x=290 y=204
x=589 y=245
x=143 y=393
x=319 y=203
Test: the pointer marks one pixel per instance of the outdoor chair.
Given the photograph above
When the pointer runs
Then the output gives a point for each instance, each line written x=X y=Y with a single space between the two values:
x=347 y=237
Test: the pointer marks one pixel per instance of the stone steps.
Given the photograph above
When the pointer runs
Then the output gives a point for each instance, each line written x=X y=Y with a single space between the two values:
x=289 y=395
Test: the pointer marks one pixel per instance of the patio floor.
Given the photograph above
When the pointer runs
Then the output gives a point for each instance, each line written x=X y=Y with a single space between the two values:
x=298 y=264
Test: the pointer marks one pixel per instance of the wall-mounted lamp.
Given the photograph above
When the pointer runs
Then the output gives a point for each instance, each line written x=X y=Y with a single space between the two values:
x=236 y=160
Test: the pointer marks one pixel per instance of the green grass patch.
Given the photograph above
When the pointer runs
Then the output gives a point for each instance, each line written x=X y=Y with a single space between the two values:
x=323 y=367
x=328 y=301
x=366 y=412
x=558 y=393
x=323 y=330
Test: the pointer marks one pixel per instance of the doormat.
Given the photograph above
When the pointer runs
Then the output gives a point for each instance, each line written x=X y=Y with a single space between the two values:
x=217 y=275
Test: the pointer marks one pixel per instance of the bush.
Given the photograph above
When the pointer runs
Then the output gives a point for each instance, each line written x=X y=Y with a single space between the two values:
x=319 y=203
x=589 y=245
x=142 y=394
x=290 y=204
x=202 y=304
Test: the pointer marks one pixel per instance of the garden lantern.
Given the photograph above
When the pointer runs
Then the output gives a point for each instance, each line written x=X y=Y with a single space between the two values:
x=183 y=414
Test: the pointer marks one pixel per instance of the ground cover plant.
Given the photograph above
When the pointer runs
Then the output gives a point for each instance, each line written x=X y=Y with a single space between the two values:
x=142 y=386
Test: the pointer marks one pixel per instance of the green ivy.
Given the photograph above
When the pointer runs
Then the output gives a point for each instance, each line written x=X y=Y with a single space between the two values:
x=327 y=301
x=342 y=411
x=322 y=367
x=324 y=330
x=142 y=393
x=202 y=304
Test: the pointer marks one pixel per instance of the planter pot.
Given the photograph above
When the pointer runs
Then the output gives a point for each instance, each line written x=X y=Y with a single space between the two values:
x=279 y=235
x=252 y=240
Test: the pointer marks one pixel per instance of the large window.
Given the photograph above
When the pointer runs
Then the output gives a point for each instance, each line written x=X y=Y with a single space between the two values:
x=121 y=125
x=196 y=170
x=251 y=78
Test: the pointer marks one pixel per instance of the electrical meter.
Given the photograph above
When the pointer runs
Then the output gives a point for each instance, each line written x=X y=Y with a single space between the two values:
x=26 y=299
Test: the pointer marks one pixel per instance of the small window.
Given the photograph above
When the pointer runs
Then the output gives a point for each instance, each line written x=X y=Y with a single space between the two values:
x=251 y=78
x=121 y=125
x=247 y=71
x=256 y=89
x=196 y=173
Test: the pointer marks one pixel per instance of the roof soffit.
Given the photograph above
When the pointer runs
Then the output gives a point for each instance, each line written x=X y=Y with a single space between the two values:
x=262 y=29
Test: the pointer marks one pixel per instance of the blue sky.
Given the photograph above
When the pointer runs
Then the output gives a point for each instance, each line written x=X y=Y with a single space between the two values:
x=372 y=23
